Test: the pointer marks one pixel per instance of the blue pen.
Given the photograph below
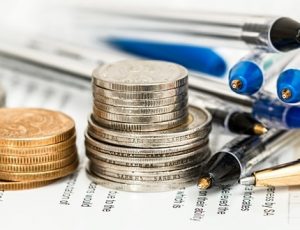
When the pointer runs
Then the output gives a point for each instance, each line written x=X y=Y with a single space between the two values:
x=288 y=82
x=196 y=58
x=275 y=114
x=249 y=74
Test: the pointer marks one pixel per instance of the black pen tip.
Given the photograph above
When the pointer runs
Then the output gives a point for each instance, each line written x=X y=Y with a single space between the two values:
x=245 y=123
x=285 y=34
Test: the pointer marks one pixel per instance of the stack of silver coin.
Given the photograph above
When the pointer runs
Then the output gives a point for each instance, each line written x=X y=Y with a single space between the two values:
x=142 y=136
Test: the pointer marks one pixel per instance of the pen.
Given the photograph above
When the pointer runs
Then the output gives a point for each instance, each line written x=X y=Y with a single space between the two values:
x=196 y=58
x=275 y=114
x=287 y=174
x=273 y=34
x=31 y=59
x=238 y=122
x=56 y=56
x=249 y=74
x=288 y=82
x=240 y=155
x=233 y=119
x=264 y=107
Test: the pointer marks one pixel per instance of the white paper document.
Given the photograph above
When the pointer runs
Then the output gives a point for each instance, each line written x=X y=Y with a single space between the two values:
x=77 y=203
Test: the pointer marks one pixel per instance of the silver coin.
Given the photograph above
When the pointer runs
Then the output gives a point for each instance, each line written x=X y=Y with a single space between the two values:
x=142 y=103
x=132 y=127
x=98 y=159
x=151 y=167
x=144 y=160
x=159 y=187
x=151 y=143
x=143 y=153
x=136 y=181
x=140 y=95
x=140 y=110
x=197 y=127
x=128 y=176
x=140 y=75
x=141 y=180
x=153 y=157
x=140 y=119
x=113 y=159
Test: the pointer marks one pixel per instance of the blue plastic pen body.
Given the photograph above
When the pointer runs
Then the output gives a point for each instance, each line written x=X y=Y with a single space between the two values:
x=288 y=82
x=246 y=77
x=275 y=114
x=249 y=74
x=196 y=58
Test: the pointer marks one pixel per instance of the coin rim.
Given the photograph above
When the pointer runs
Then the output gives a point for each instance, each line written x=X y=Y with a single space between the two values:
x=161 y=187
x=41 y=167
x=39 y=141
x=140 y=110
x=143 y=151
x=142 y=103
x=139 y=119
x=122 y=86
x=138 y=95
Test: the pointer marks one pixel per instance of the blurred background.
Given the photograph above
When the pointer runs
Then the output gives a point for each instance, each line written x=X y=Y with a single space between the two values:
x=72 y=35
x=76 y=20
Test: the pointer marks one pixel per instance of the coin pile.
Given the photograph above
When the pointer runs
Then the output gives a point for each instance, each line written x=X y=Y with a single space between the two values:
x=37 y=147
x=142 y=136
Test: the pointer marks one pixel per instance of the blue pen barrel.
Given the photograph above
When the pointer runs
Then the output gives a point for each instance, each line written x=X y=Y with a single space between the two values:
x=246 y=78
x=288 y=82
x=288 y=86
x=275 y=114
x=196 y=58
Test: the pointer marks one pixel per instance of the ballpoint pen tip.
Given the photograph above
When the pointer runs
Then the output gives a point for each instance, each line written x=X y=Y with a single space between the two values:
x=204 y=183
x=236 y=84
x=260 y=129
x=286 y=94
x=247 y=180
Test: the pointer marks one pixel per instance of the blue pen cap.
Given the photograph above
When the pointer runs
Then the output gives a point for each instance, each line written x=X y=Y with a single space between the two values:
x=289 y=81
x=249 y=77
x=196 y=58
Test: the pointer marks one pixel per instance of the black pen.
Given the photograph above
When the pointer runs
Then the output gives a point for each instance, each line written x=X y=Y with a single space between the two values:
x=238 y=122
x=240 y=155
x=234 y=120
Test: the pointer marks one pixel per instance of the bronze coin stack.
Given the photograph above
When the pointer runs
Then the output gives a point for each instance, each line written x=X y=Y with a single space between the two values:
x=37 y=147
x=142 y=135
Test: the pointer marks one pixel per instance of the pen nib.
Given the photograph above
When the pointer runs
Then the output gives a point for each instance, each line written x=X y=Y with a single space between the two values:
x=286 y=94
x=236 y=84
x=259 y=129
x=204 y=183
x=247 y=180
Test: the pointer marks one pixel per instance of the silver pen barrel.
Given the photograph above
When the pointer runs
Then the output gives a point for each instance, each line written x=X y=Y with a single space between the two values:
x=273 y=145
x=270 y=33
x=288 y=138
x=245 y=30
